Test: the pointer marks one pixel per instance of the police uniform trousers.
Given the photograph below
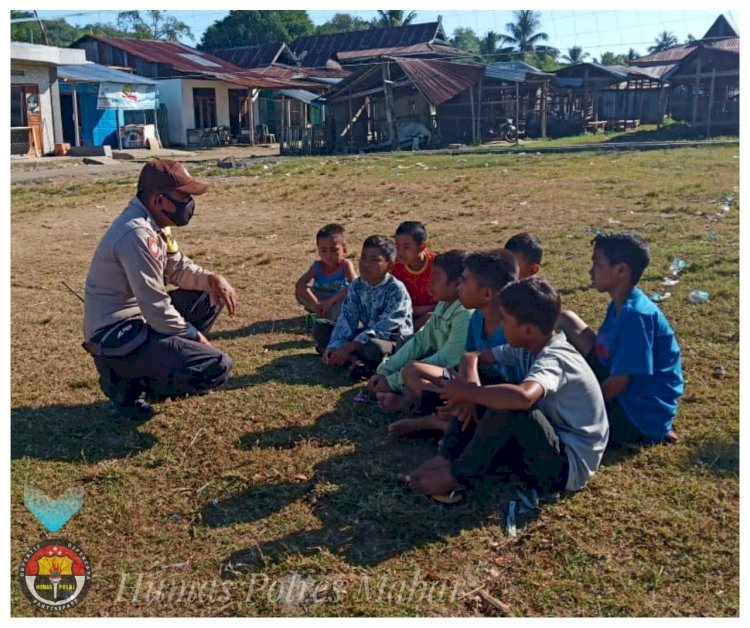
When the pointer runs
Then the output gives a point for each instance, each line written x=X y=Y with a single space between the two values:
x=168 y=366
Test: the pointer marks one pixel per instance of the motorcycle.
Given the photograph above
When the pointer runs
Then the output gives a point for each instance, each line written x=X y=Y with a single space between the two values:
x=508 y=131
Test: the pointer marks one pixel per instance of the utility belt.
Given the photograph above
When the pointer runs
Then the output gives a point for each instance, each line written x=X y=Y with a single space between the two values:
x=118 y=340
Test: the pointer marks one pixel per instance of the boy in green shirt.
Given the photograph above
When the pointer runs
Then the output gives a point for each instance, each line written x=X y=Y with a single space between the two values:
x=439 y=342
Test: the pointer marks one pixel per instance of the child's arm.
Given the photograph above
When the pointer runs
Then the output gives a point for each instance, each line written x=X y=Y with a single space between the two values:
x=450 y=352
x=578 y=333
x=349 y=271
x=351 y=275
x=614 y=386
x=346 y=325
x=302 y=287
x=498 y=397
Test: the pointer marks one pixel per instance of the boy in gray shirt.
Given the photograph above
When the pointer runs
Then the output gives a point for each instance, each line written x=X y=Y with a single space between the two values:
x=550 y=428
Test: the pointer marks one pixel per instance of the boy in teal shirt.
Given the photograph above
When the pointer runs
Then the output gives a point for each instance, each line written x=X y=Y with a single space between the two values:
x=439 y=342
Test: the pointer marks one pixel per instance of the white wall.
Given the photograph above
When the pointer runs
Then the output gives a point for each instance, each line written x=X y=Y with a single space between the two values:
x=35 y=74
x=177 y=96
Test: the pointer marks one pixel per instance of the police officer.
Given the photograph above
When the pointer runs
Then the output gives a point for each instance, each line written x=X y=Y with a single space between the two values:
x=148 y=343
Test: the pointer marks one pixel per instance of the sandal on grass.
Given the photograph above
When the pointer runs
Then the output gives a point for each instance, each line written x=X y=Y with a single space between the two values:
x=456 y=496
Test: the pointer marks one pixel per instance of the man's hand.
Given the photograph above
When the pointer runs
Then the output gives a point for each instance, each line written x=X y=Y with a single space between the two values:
x=221 y=292
x=378 y=384
x=203 y=340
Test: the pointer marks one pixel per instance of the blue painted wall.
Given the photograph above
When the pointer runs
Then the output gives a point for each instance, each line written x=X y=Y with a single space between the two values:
x=98 y=126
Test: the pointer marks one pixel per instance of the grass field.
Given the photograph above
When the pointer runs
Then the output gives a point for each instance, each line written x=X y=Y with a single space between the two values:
x=279 y=489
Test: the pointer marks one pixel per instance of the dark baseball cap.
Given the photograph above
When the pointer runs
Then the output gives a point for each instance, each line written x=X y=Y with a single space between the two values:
x=165 y=175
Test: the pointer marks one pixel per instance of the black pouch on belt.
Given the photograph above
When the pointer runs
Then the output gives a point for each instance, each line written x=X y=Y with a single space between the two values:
x=119 y=340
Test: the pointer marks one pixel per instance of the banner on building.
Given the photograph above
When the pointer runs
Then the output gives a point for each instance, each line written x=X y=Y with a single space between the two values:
x=126 y=96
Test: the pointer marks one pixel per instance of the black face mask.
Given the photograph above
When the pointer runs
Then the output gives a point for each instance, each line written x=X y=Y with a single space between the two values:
x=183 y=211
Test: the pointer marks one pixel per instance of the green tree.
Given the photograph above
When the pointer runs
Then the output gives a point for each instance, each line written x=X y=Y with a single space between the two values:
x=665 y=40
x=524 y=36
x=610 y=58
x=389 y=19
x=632 y=54
x=342 y=23
x=575 y=55
x=249 y=28
x=465 y=39
x=58 y=32
x=155 y=25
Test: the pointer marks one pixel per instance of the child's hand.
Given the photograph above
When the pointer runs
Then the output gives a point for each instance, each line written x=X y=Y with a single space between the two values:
x=327 y=356
x=466 y=413
x=378 y=384
x=453 y=392
x=338 y=357
x=321 y=309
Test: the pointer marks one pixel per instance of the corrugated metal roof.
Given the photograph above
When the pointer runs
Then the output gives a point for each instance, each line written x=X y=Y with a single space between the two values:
x=350 y=56
x=563 y=81
x=182 y=58
x=512 y=71
x=317 y=49
x=95 y=73
x=440 y=80
x=252 y=56
x=304 y=96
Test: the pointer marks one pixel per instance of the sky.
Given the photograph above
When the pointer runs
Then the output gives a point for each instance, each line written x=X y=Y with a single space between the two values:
x=595 y=30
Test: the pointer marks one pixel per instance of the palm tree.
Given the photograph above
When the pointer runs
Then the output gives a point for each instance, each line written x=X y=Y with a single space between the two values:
x=524 y=35
x=575 y=55
x=663 y=41
x=488 y=45
x=632 y=54
x=389 y=19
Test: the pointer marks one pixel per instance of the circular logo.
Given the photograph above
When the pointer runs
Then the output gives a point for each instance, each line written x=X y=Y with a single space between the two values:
x=55 y=574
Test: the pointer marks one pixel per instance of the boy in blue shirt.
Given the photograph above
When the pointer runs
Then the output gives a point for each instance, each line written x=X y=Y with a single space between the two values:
x=375 y=316
x=635 y=354
x=485 y=274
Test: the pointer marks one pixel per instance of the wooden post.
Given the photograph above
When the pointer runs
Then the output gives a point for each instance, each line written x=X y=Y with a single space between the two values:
x=282 y=120
x=710 y=103
x=518 y=122
x=389 y=113
x=351 y=124
x=695 y=93
x=252 y=117
x=75 y=117
x=545 y=95
x=479 y=112
x=473 y=116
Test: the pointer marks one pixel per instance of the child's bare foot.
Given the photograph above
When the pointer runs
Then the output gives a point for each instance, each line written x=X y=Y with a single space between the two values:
x=436 y=462
x=391 y=402
x=434 y=479
x=397 y=429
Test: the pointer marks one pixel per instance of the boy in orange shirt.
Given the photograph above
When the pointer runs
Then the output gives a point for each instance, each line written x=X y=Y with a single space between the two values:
x=413 y=268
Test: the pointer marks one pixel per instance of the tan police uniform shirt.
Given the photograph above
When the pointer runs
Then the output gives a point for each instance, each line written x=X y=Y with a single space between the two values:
x=129 y=274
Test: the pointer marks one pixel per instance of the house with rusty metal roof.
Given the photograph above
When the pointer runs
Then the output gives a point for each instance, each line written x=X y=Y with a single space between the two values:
x=207 y=99
x=426 y=41
x=704 y=79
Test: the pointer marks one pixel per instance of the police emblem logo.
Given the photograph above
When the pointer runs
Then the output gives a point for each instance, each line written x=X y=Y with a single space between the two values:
x=153 y=247
x=55 y=575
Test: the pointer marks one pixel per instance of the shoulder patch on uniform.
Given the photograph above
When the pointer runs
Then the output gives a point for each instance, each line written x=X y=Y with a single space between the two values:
x=153 y=246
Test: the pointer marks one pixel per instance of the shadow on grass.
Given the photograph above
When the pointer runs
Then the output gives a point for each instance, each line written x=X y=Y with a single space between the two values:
x=287 y=325
x=719 y=455
x=297 y=369
x=366 y=516
x=79 y=433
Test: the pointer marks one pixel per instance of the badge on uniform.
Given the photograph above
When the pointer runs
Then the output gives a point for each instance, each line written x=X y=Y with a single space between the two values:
x=153 y=247
x=172 y=246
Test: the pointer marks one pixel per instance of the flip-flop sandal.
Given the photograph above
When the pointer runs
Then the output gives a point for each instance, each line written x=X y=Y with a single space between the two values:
x=456 y=496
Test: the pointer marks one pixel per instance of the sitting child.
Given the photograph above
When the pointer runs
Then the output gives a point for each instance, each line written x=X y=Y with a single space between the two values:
x=635 y=354
x=376 y=299
x=322 y=289
x=527 y=250
x=550 y=429
x=485 y=274
x=440 y=342
x=413 y=268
